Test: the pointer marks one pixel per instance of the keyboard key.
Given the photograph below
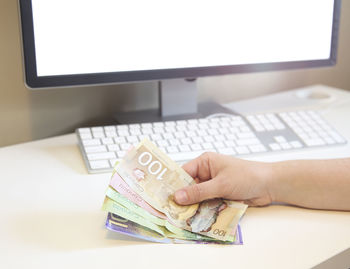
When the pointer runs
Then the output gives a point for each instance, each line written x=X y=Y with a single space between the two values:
x=94 y=149
x=207 y=145
x=285 y=145
x=98 y=135
x=100 y=156
x=296 y=144
x=184 y=148
x=162 y=143
x=174 y=142
x=113 y=147
x=246 y=135
x=133 y=139
x=107 y=141
x=170 y=129
x=246 y=142
x=257 y=148
x=242 y=150
x=147 y=131
x=135 y=131
x=172 y=149
x=183 y=156
x=91 y=142
x=120 y=140
x=275 y=146
x=230 y=143
x=202 y=133
x=142 y=137
x=227 y=151
x=156 y=137
x=179 y=134
x=258 y=127
x=125 y=146
x=99 y=164
x=181 y=128
x=213 y=132
x=208 y=138
x=112 y=162
x=97 y=129
x=198 y=140
x=280 y=139
x=219 y=144
x=190 y=133
x=196 y=147
x=186 y=141
x=121 y=154
x=123 y=132
x=111 y=134
x=85 y=136
x=219 y=138
x=168 y=135
x=314 y=142
x=158 y=130
x=231 y=136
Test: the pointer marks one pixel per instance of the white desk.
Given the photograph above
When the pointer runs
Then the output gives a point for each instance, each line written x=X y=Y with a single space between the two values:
x=51 y=218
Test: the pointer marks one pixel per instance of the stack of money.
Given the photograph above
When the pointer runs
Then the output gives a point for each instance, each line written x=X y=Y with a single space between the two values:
x=140 y=203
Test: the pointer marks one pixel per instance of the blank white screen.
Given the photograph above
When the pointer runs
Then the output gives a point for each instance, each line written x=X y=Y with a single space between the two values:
x=94 y=36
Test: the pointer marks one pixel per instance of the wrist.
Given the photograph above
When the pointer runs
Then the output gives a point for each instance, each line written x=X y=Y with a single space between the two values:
x=273 y=181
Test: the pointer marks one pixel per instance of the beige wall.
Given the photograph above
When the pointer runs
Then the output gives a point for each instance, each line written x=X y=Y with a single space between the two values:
x=29 y=115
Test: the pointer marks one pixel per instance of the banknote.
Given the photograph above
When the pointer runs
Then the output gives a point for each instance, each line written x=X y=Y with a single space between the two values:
x=113 y=207
x=119 y=185
x=155 y=178
x=121 y=225
x=170 y=230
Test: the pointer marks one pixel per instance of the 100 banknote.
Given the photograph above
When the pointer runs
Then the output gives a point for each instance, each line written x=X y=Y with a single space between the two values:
x=155 y=177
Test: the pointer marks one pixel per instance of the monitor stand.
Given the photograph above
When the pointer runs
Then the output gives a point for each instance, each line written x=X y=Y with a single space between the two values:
x=177 y=101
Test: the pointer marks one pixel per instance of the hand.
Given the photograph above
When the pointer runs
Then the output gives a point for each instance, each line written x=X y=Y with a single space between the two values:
x=226 y=177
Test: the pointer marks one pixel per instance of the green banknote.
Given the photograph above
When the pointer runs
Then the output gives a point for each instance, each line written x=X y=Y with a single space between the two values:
x=155 y=177
x=144 y=219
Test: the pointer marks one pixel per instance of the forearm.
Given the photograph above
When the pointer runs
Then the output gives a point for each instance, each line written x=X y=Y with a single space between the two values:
x=321 y=184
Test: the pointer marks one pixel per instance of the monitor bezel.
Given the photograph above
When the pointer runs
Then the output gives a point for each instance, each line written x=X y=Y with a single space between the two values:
x=34 y=81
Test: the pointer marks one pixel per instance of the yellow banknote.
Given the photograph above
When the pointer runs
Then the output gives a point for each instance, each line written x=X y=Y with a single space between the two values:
x=155 y=177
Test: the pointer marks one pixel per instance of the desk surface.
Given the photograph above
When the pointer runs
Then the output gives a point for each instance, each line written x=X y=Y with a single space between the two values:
x=51 y=217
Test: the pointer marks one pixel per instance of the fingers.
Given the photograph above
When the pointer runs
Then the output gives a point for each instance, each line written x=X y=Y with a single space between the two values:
x=199 y=168
x=198 y=192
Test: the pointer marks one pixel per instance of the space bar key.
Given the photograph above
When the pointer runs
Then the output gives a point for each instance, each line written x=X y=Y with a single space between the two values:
x=185 y=156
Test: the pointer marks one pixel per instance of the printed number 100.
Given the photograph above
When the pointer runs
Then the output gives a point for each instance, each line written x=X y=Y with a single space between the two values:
x=154 y=168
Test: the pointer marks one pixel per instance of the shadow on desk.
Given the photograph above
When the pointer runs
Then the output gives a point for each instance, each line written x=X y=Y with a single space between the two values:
x=67 y=231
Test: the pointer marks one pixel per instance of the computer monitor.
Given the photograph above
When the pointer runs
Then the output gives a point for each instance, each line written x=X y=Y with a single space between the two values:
x=79 y=42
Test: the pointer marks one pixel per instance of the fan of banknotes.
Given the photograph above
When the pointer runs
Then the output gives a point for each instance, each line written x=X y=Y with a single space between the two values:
x=140 y=203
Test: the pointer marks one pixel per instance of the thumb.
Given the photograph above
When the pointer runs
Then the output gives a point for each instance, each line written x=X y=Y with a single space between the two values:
x=197 y=193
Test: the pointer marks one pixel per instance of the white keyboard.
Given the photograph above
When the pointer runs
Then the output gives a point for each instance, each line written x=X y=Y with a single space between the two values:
x=184 y=140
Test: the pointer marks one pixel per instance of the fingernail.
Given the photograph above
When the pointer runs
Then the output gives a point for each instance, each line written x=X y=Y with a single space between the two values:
x=181 y=196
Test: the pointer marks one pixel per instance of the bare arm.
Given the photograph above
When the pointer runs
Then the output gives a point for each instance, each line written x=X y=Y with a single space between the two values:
x=321 y=184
